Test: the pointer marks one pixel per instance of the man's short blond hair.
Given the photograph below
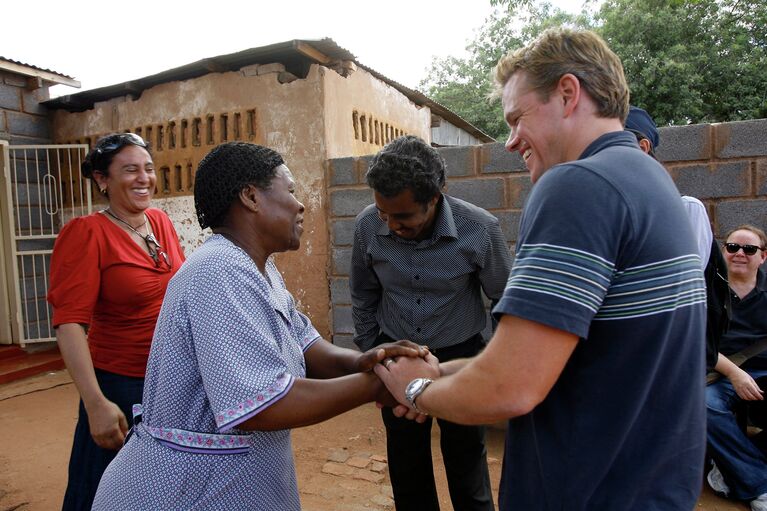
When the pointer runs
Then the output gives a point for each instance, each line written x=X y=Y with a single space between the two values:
x=559 y=51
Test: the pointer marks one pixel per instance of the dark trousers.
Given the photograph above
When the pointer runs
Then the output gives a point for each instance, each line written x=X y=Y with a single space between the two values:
x=88 y=461
x=408 y=448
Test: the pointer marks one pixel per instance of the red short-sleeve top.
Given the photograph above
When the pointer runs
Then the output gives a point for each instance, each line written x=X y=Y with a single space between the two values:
x=100 y=277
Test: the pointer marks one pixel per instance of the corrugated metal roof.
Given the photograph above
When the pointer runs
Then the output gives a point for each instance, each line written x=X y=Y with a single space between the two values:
x=35 y=67
x=297 y=56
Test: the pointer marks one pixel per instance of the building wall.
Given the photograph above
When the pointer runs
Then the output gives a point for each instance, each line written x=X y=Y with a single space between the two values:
x=23 y=120
x=724 y=165
x=363 y=113
x=307 y=120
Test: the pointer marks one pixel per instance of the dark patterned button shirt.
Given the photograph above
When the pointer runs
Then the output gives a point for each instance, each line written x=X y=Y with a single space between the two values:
x=427 y=291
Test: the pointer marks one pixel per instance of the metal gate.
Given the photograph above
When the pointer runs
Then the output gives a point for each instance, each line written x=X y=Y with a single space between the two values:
x=41 y=190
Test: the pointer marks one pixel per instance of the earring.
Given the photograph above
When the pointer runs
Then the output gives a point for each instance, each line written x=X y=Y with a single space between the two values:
x=103 y=191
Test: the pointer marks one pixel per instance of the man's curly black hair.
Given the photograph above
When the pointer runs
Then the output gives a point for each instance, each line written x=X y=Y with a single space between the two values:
x=224 y=172
x=407 y=163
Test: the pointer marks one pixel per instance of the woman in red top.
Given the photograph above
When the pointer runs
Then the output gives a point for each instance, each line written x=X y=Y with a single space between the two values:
x=109 y=271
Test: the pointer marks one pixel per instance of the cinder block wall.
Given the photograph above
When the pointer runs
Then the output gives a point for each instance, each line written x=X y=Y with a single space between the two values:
x=23 y=120
x=724 y=165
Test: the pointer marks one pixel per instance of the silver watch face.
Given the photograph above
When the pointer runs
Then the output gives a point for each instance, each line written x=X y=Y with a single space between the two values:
x=415 y=388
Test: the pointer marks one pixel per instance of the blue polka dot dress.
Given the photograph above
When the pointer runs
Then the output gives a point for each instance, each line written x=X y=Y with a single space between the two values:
x=229 y=342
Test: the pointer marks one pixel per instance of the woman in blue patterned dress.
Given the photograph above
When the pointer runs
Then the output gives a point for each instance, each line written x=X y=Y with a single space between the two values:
x=234 y=365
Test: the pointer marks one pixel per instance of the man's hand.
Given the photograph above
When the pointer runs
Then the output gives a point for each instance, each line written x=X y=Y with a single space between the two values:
x=398 y=373
x=108 y=425
x=368 y=360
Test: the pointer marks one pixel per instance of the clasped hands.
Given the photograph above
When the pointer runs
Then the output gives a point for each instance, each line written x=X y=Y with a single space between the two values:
x=397 y=364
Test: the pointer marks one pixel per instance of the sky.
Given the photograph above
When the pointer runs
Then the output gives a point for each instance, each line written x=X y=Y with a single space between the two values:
x=107 y=42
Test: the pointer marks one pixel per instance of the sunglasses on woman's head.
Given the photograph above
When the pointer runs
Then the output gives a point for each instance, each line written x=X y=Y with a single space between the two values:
x=733 y=248
x=116 y=142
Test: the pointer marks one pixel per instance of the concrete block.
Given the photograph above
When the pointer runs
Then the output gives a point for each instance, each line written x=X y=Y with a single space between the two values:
x=343 y=232
x=340 y=294
x=367 y=475
x=10 y=97
x=363 y=163
x=342 y=319
x=343 y=171
x=377 y=466
x=15 y=139
x=495 y=158
x=28 y=125
x=485 y=193
x=345 y=341
x=715 y=180
x=358 y=461
x=741 y=139
x=286 y=77
x=339 y=455
x=459 y=161
x=509 y=222
x=337 y=469
x=251 y=70
x=32 y=101
x=731 y=214
x=350 y=202
x=685 y=143
x=3 y=123
x=342 y=259
x=519 y=188
x=761 y=175
x=274 y=67
x=15 y=80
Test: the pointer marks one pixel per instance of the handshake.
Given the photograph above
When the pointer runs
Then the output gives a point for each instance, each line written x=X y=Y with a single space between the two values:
x=406 y=369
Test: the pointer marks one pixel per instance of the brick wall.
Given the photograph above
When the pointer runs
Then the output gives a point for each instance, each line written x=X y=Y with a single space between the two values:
x=23 y=120
x=724 y=165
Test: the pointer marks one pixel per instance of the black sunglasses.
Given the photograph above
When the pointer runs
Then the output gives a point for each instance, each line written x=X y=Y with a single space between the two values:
x=733 y=248
x=115 y=142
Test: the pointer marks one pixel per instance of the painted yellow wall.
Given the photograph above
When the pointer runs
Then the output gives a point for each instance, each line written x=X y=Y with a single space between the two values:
x=308 y=121
x=374 y=99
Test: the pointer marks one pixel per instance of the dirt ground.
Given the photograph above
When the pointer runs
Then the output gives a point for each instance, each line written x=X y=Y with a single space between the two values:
x=341 y=464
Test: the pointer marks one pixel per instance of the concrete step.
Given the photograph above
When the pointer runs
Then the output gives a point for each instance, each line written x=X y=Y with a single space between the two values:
x=17 y=363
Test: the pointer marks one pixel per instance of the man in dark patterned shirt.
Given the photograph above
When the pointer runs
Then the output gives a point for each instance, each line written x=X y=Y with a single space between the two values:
x=421 y=259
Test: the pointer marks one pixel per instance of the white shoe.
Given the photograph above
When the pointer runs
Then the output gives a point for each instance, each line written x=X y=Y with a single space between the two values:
x=716 y=482
x=759 y=503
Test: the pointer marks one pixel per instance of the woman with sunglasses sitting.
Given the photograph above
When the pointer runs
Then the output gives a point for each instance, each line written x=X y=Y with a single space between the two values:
x=740 y=468
x=109 y=272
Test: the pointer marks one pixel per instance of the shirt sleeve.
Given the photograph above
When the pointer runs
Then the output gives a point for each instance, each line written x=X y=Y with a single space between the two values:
x=240 y=342
x=75 y=273
x=366 y=293
x=566 y=252
x=496 y=263
x=701 y=227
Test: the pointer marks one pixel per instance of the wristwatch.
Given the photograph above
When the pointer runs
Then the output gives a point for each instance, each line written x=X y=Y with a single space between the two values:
x=414 y=389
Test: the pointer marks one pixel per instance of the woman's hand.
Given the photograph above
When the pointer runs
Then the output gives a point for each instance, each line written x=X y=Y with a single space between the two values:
x=108 y=425
x=746 y=386
x=368 y=360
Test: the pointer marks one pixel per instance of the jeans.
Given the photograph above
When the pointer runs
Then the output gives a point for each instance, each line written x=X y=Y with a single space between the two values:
x=742 y=464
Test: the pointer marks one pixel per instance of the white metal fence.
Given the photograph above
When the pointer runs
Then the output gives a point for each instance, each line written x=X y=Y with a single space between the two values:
x=42 y=189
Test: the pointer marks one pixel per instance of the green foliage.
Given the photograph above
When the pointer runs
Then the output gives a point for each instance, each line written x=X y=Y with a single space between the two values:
x=686 y=61
x=691 y=61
